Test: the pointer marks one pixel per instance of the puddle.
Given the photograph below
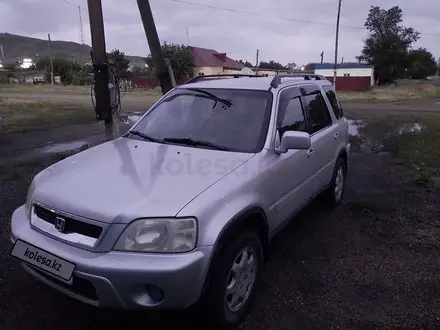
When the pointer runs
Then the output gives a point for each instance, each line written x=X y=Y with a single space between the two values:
x=61 y=147
x=132 y=119
x=369 y=139
x=411 y=128
x=354 y=125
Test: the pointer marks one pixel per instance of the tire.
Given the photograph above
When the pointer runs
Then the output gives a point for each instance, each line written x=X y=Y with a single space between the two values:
x=334 y=194
x=217 y=303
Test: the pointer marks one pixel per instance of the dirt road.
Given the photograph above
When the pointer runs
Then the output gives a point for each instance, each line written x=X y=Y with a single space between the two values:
x=372 y=263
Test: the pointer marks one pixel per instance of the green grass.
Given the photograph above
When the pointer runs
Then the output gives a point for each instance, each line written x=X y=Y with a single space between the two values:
x=25 y=115
x=393 y=93
x=420 y=151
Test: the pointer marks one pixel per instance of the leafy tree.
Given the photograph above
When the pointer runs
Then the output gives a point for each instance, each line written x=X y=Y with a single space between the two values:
x=310 y=67
x=421 y=64
x=180 y=58
x=246 y=63
x=388 y=43
x=61 y=67
x=271 y=65
x=118 y=61
x=141 y=71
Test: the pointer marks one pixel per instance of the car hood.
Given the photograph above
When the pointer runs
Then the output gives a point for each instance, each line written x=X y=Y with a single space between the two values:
x=125 y=179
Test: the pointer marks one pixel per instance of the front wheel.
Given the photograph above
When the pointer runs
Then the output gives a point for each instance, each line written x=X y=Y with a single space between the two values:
x=235 y=278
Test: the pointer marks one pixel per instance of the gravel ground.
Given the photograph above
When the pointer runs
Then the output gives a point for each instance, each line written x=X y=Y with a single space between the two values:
x=372 y=263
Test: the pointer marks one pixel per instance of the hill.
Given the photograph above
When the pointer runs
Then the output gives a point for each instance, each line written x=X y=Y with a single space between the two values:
x=21 y=46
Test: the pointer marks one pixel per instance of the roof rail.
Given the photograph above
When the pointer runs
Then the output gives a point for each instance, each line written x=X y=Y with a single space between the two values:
x=307 y=76
x=232 y=75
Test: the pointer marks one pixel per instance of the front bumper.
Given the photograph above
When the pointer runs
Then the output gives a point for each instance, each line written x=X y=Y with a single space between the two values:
x=120 y=279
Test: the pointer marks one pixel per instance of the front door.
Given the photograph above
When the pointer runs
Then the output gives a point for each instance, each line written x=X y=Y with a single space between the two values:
x=291 y=171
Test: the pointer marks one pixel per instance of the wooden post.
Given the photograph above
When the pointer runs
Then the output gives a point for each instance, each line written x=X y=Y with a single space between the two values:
x=154 y=44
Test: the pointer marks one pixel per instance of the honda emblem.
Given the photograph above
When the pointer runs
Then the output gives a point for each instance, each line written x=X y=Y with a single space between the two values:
x=60 y=224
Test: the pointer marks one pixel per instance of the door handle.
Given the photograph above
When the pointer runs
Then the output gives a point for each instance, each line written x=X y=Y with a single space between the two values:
x=310 y=152
x=336 y=136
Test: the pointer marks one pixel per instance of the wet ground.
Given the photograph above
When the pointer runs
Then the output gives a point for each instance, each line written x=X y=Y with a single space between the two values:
x=372 y=263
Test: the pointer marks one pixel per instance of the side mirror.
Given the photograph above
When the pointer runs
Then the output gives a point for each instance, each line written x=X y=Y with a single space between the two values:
x=294 y=140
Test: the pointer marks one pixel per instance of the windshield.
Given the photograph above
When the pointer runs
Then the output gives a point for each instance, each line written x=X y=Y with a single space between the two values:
x=235 y=120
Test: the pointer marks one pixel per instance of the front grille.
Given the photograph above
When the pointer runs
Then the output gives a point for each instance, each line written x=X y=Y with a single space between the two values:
x=79 y=285
x=71 y=225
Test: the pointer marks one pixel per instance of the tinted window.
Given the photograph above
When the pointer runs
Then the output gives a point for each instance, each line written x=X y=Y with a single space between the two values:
x=293 y=119
x=234 y=119
x=331 y=95
x=317 y=113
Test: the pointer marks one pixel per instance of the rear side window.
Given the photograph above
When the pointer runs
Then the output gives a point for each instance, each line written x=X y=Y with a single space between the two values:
x=318 y=116
x=293 y=119
x=336 y=105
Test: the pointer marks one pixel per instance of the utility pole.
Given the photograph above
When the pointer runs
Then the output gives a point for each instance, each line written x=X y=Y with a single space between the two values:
x=256 y=63
x=322 y=57
x=336 y=44
x=187 y=34
x=81 y=26
x=104 y=106
x=50 y=59
x=154 y=44
x=170 y=72
x=438 y=67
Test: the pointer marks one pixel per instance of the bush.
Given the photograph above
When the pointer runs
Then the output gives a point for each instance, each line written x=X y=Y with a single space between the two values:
x=82 y=79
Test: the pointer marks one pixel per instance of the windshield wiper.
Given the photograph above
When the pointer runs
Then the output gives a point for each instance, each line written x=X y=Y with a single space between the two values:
x=225 y=102
x=195 y=143
x=146 y=137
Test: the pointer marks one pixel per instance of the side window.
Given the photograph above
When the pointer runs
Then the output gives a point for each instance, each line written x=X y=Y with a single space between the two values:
x=336 y=105
x=318 y=116
x=293 y=118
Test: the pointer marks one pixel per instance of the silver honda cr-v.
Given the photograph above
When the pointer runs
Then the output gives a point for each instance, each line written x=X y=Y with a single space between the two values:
x=182 y=207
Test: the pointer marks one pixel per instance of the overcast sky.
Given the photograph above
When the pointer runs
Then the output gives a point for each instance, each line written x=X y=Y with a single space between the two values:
x=237 y=34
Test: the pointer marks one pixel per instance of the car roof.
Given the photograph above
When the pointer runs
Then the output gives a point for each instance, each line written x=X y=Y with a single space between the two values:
x=251 y=83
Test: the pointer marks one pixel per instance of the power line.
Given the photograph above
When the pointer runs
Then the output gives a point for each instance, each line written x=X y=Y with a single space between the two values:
x=279 y=17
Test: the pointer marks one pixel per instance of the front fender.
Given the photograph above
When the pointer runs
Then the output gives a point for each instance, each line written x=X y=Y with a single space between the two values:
x=219 y=214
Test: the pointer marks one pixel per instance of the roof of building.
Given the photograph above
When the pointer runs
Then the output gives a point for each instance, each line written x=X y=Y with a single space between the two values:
x=211 y=58
x=249 y=83
x=326 y=66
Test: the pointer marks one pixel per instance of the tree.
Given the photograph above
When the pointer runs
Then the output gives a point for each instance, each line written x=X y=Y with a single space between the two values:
x=246 y=63
x=180 y=58
x=64 y=68
x=141 y=71
x=271 y=65
x=310 y=67
x=119 y=62
x=388 y=43
x=421 y=64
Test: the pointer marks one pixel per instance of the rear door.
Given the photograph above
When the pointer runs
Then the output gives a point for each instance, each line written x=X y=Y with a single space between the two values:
x=342 y=134
x=322 y=133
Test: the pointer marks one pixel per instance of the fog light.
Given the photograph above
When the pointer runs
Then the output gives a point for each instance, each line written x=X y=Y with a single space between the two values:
x=154 y=292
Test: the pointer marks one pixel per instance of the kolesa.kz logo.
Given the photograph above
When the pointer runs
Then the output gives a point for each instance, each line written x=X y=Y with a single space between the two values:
x=42 y=260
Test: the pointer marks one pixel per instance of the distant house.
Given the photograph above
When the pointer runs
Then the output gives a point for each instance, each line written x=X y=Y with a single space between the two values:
x=209 y=62
x=349 y=76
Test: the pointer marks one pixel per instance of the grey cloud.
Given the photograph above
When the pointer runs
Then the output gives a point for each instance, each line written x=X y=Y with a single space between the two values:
x=237 y=34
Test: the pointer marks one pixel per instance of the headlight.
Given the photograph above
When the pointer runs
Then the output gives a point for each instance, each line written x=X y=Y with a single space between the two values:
x=30 y=193
x=159 y=235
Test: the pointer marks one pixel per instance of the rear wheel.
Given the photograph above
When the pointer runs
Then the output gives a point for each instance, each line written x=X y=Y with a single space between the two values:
x=335 y=192
x=235 y=278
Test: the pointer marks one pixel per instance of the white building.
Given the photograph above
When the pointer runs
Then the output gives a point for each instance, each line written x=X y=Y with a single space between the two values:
x=350 y=76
